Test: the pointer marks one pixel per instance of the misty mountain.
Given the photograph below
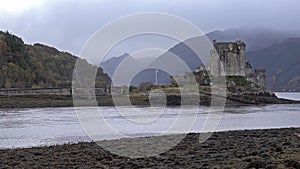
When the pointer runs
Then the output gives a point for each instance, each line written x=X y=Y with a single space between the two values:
x=110 y=65
x=282 y=64
x=256 y=39
x=179 y=59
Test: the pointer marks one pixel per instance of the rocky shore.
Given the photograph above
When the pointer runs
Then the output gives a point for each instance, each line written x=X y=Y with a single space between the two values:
x=106 y=100
x=269 y=148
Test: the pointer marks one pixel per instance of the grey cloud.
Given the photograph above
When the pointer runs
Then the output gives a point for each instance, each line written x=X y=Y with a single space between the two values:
x=68 y=24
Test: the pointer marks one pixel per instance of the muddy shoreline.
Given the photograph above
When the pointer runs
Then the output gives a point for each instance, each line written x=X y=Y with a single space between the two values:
x=39 y=101
x=268 y=148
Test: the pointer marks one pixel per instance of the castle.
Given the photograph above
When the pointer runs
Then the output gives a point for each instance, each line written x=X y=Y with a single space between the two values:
x=226 y=59
x=229 y=59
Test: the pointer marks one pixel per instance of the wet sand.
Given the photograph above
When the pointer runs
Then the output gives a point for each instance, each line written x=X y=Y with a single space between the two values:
x=272 y=148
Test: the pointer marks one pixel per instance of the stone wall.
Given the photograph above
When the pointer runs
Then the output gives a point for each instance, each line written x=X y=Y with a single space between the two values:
x=48 y=91
x=260 y=77
x=187 y=79
x=44 y=91
x=228 y=59
x=120 y=90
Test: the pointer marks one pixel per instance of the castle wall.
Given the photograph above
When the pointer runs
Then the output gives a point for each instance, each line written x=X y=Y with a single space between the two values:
x=234 y=66
x=260 y=77
x=248 y=69
x=216 y=66
x=228 y=59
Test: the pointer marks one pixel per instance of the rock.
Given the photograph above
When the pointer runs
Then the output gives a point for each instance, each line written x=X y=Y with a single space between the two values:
x=292 y=163
x=256 y=164
x=271 y=166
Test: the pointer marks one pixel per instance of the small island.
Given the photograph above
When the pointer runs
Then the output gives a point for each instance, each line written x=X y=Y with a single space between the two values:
x=245 y=86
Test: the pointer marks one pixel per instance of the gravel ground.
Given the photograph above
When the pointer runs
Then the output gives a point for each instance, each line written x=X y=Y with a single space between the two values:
x=272 y=148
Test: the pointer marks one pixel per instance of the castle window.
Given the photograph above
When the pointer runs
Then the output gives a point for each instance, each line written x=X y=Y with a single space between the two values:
x=222 y=57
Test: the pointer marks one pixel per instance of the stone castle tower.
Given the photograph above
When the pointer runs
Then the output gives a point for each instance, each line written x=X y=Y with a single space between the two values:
x=229 y=59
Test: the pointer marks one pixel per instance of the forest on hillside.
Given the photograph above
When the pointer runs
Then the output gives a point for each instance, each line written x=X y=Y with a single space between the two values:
x=38 y=65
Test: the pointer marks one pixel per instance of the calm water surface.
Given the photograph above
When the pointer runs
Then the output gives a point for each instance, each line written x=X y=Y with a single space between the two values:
x=49 y=126
x=289 y=95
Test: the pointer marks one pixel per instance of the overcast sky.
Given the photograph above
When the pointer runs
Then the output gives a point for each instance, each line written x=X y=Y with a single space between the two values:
x=67 y=24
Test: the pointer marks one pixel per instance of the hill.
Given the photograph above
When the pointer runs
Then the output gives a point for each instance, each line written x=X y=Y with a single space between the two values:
x=282 y=63
x=32 y=66
x=111 y=64
x=255 y=38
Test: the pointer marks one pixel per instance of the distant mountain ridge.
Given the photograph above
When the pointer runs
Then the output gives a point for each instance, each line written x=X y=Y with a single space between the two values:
x=261 y=44
x=255 y=38
x=282 y=62
x=38 y=65
x=27 y=66
x=111 y=64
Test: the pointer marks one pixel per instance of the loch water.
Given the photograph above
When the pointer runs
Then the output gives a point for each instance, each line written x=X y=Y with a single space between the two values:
x=30 y=127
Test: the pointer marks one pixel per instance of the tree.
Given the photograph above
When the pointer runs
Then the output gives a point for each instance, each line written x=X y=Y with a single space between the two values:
x=15 y=43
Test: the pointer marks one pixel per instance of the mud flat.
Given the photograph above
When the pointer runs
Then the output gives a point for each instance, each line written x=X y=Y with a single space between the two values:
x=269 y=148
x=38 y=101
